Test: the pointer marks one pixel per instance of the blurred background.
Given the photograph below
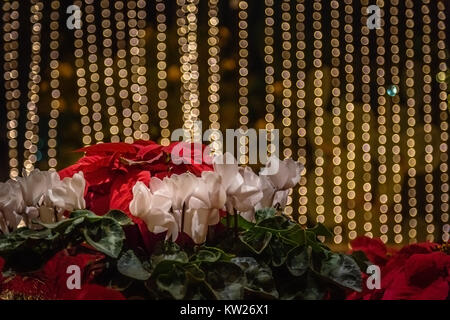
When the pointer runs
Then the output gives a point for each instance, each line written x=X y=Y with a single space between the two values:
x=366 y=110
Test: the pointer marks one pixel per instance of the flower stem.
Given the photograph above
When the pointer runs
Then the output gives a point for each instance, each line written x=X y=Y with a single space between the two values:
x=236 y=230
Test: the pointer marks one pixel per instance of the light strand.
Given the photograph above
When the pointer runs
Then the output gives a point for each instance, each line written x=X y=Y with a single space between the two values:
x=137 y=23
x=336 y=102
x=381 y=119
x=429 y=196
x=396 y=177
x=11 y=76
x=366 y=121
x=213 y=70
x=350 y=117
x=190 y=99
x=96 y=133
x=443 y=106
x=301 y=113
x=81 y=82
x=287 y=91
x=32 y=123
x=162 y=72
x=269 y=71
x=411 y=103
x=319 y=111
x=243 y=80
x=108 y=71
x=54 y=84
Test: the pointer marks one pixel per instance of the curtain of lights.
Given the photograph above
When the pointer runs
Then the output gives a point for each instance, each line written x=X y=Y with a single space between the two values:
x=365 y=110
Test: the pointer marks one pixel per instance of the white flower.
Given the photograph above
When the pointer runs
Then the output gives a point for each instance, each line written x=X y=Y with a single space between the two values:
x=203 y=206
x=242 y=185
x=11 y=205
x=68 y=194
x=154 y=210
x=178 y=188
x=36 y=184
x=282 y=174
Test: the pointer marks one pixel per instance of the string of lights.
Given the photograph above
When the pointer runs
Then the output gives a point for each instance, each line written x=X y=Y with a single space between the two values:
x=336 y=102
x=429 y=197
x=213 y=70
x=81 y=82
x=381 y=119
x=269 y=71
x=396 y=177
x=319 y=110
x=162 y=73
x=350 y=117
x=94 y=78
x=108 y=71
x=32 y=123
x=301 y=114
x=287 y=84
x=366 y=118
x=11 y=26
x=187 y=32
x=411 y=103
x=443 y=86
x=124 y=94
x=137 y=23
x=54 y=84
x=243 y=81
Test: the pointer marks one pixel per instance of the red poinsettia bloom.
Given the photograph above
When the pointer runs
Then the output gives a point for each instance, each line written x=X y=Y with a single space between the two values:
x=50 y=283
x=112 y=169
x=374 y=249
x=416 y=272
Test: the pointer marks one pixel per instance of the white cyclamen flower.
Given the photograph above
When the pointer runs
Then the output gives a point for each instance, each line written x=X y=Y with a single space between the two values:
x=154 y=210
x=277 y=178
x=36 y=184
x=241 y=185
x=11 y=205
x=202 y=209
x=283 y=174
x=178 y=188
x=68 y=194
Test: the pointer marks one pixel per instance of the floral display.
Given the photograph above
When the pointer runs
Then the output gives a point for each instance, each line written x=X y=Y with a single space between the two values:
x=143 y=220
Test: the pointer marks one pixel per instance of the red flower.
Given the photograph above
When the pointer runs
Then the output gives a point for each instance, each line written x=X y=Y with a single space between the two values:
x=374 y=249
x=416 y=272
x=50 y=283
x=112 y=169
x=93 y=292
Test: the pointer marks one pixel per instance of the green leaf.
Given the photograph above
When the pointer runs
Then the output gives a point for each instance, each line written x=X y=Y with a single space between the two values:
x=168 y=251
x=105 y=235
x=259 y=277
x=320 y=230
x=130 y=266
x=277 y=223
x=265 y=213
x=210 y=254
x=256 y=240
x=173 y=282
x=242 y=223
x=120 y=217
x=226 y=278
x=84 y=213
x=279 y=249
x=298 y=261
x=295 y=234
x=343 y=270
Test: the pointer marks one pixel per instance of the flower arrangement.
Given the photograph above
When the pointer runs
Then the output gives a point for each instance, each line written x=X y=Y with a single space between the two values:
x=165 y=222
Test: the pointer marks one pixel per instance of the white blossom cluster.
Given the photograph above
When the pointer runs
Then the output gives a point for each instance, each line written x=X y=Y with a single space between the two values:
x=191 y=204
x=39 y=195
